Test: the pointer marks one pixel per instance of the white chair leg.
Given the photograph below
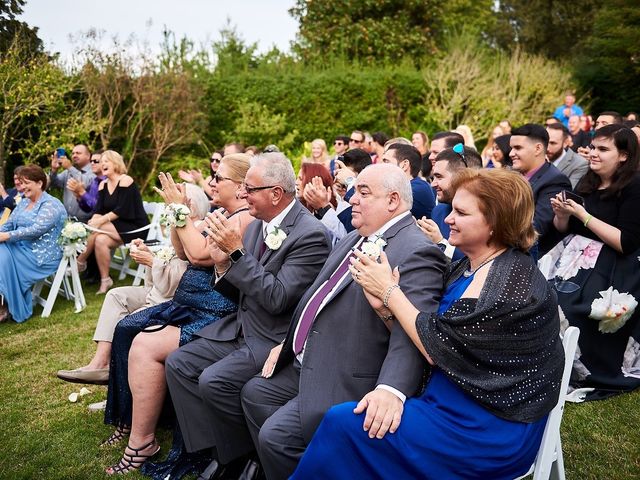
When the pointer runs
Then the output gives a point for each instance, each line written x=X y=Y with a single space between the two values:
x=557 y=468
x=55 y=288
x=78 y=294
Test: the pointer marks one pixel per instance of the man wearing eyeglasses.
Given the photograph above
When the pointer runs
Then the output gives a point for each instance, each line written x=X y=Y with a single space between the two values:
x=88 y=197
x=267 y=271
x=408 y=158
x=356 y=140
x=340 y=145
x=79 y=170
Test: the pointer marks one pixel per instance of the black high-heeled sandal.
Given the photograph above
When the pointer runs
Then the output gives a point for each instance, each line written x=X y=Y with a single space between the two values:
x=129 y=462
x=116 y=436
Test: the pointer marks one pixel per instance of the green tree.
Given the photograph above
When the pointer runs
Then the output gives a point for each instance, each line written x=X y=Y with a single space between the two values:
x=34 y=98
x=367 y=30
x=553 y=28
x=11 y=27
x=610 y=62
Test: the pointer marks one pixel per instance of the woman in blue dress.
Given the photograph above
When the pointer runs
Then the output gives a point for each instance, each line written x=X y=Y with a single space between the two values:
x=29 y=251
x=494 y=349
x=137 y=385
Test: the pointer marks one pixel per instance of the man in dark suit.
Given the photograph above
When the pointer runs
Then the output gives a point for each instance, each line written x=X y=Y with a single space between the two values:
x=565 y=159
x=337 y=348
x=408 y=158
x=528 y=154
x=355 y=161
x=268 y=270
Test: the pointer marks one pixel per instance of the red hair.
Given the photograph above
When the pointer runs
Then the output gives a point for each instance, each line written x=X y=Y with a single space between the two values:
x=310 y=170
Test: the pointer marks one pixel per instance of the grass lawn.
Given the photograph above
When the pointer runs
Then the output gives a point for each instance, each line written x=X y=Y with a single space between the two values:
x=44 y=436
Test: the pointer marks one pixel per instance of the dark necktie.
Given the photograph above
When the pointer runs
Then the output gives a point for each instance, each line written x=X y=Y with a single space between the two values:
x=306 y=321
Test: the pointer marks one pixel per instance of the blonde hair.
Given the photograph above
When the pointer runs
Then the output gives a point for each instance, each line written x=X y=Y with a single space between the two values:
x=237 y=164
x=115 y=158
x=505 y=199
x=465 y=131
x=323 y=146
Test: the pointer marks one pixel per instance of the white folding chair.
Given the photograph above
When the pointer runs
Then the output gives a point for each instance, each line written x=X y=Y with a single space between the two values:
x=549 y=462
x=65 y=282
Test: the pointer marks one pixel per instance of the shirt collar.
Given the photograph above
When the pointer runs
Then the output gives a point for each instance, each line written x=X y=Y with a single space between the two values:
x=559 y=159
x=268 y=227
x=531 y=173
x=387 y=226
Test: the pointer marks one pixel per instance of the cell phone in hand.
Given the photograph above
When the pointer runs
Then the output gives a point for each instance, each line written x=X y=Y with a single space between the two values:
x=567 y=195
x=61 y=152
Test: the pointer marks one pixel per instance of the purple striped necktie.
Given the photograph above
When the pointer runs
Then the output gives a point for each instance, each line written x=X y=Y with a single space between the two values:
x=309 y=315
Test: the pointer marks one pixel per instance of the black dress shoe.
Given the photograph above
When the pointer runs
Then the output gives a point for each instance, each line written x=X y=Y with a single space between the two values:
x=213 y=471
x=252 y=471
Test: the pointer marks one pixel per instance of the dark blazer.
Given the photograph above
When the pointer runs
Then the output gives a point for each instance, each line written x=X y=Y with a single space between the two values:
x=546 y=183
x=349 y=350
x=574 y=166
x=269 y=288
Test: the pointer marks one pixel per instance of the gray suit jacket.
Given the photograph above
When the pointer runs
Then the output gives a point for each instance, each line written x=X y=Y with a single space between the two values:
x=573 y=166
x=269 y=288
x=349 y=350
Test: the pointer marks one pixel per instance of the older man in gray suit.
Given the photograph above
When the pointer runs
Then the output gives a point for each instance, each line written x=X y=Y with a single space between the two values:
x=269 y=270
x=337 y=348
x=565 y=159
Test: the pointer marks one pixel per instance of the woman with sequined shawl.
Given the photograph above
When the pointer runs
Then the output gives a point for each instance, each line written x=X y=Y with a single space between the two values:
x=28 y=244
x=493 y=345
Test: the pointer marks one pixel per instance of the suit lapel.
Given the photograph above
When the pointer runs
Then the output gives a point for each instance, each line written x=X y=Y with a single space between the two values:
x=387 y=236
x=286 y=226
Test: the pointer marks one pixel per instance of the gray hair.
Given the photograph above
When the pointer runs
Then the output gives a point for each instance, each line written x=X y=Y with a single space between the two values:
x=199 y=202
x=277 y=170
x=394 y=180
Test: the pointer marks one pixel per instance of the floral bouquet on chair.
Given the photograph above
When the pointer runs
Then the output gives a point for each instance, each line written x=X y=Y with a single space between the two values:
x=73 y=238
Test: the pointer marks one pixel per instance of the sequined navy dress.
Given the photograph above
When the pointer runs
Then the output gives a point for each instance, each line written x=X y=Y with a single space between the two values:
x=444 y=434
x=194 y=305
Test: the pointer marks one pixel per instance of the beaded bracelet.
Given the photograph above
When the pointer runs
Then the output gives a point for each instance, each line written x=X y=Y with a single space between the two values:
x=387 y=294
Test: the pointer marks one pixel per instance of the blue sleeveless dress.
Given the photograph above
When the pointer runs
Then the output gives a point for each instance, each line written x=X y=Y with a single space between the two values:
x=444 y=434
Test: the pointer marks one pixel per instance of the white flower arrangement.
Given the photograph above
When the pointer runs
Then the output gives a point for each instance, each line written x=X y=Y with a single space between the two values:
x=175 y=215
x=374 y=247
x=73 y=238
x=17 y=199
x=165 y=254
x=612 y=310
x=275 y=238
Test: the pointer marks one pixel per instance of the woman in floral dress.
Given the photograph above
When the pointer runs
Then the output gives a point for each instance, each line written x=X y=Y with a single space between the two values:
x=595 y=267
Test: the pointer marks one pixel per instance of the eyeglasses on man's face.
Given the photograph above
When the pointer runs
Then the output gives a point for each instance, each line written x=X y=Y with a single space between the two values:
x=355 y=140
x=249 y=189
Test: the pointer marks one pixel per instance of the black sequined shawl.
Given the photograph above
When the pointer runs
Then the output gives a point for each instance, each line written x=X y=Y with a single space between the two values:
x=505 y=350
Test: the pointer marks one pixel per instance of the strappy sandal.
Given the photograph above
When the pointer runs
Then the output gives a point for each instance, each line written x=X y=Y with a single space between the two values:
x=130 y=462
x=116 y=436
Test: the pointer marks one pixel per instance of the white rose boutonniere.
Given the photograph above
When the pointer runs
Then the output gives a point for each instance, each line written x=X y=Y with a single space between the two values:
x=175 y=215
x=17 y=199
x=374 y=247
x=275 y=238
x=612 y=310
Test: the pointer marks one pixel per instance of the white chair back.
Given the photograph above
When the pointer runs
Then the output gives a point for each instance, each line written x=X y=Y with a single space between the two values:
x=549 y=462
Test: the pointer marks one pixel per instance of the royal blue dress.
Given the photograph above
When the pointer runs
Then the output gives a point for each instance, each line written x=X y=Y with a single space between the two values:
x=194 y=306
x=31 y=253
x=444 y=434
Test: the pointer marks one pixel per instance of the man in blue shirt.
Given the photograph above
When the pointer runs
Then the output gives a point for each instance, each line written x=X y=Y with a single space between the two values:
x=447 y=163
x=563 y=112
x=408 y=158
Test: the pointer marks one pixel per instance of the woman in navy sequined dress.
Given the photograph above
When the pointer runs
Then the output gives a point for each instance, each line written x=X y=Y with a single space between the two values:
x=137 y=386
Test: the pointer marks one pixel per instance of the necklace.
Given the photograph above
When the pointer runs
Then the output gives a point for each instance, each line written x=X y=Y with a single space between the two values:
x=242 y=209
x=467 y=273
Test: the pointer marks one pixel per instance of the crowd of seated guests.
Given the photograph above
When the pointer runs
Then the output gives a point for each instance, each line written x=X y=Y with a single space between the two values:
x=304 y=327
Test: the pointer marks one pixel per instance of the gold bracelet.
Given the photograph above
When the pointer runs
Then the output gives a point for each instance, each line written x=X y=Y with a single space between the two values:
x=387 y=294
x=586 y=221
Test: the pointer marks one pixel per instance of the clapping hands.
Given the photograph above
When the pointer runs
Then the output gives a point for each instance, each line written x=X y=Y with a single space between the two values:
x=171 y=191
